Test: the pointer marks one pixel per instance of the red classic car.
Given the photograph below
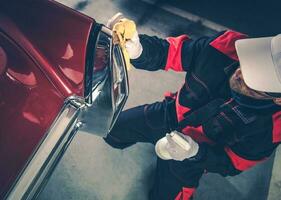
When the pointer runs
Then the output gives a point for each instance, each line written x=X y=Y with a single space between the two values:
x=59 y=73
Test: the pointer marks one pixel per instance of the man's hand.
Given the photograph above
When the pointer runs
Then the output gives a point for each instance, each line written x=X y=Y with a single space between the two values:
x=125 y=33
x=176 y=146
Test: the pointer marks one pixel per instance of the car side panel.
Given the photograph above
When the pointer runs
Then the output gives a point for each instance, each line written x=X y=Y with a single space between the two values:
x=29 y=103
x=42 y=63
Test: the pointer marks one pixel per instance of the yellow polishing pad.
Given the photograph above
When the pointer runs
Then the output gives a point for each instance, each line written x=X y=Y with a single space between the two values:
x=122 y=31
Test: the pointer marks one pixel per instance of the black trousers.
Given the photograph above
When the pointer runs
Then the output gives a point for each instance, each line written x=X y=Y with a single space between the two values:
x=149 y=123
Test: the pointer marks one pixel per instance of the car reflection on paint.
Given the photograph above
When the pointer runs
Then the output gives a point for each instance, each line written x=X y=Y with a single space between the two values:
x=59 y=72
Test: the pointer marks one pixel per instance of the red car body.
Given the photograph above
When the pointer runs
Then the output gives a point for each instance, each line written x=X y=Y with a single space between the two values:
x=47 y=53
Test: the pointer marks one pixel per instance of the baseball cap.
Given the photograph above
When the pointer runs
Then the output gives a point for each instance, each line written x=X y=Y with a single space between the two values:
x=260 y=62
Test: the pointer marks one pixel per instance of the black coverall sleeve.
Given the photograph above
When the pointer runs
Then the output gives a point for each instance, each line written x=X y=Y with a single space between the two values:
x=179 y=51
x=154 y=54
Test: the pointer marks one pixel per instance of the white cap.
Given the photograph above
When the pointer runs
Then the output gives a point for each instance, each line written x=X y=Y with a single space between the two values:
x=260 y=61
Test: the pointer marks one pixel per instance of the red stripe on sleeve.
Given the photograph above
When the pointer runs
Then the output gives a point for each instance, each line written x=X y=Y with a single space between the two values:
x=174 y=54
x=239 y=162
x=276 y=133
x=185 y=194
x=226 y=43
x=181 y=110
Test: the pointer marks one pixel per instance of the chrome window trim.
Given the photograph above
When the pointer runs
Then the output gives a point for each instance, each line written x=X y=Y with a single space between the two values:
x=53 y=145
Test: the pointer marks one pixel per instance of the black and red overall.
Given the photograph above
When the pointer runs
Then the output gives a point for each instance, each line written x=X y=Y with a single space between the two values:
x=232 y=137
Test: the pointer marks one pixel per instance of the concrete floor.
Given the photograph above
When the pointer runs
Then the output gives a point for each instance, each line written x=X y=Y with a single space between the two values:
x=90 y=169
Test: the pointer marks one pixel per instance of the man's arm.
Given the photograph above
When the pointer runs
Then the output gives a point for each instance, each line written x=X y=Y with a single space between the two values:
x=247 y=137
x=180 y=53
x=176 y=53
x=154 y=54
x=168 y=53
x=223 y=160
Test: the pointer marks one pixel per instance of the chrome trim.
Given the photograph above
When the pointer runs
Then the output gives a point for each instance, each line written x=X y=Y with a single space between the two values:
x=57 y=139
x=99 y=117
x=106 y=30
x=89 y=65
x=118 y=109
x=98 y=28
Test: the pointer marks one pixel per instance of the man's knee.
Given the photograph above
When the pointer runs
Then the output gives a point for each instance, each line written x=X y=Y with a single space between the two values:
x=116 y=143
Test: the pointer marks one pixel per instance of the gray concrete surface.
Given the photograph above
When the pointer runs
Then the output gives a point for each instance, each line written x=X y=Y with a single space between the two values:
x=90 y=169
x=275 y=184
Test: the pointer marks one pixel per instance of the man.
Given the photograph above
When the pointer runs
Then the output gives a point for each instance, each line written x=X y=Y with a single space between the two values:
x=228 y=110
